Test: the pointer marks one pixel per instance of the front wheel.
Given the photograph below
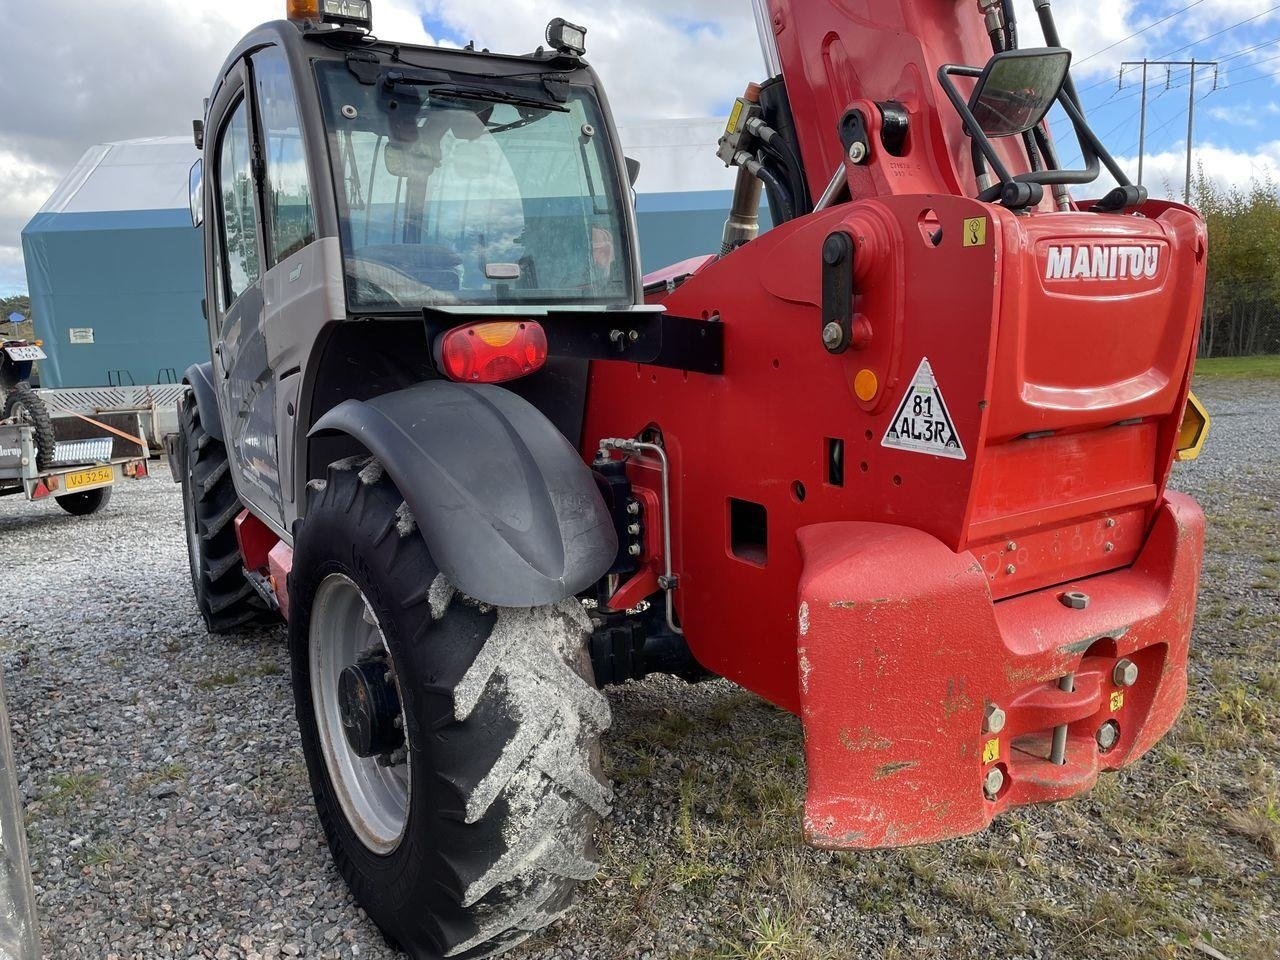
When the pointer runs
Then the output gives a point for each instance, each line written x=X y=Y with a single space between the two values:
x=453 y=748
x=87 y=503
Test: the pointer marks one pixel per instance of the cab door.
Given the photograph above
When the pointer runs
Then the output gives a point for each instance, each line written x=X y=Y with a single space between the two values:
x=245 y=383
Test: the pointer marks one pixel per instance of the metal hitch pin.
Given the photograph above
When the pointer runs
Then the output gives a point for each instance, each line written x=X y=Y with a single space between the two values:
x=1058 y=752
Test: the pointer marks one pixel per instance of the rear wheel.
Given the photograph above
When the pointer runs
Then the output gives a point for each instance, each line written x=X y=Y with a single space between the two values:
x=453 y=748
x=86 y=503
x=210 y=506
x=25 y=405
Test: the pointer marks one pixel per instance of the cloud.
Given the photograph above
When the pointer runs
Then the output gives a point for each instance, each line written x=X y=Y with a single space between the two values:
x=78 y=73
x=1233 y=116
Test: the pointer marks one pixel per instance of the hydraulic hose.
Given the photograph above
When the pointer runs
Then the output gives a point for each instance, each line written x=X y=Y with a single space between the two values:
x=1010 y=26
x=778 y=191
x=1050 y=27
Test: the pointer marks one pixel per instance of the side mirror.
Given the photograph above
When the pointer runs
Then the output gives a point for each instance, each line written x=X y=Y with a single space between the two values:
x=196 y=185
x=633 y=170
x=1017 y=90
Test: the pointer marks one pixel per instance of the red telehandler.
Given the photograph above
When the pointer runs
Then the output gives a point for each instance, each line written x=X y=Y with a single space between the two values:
x=897 y=465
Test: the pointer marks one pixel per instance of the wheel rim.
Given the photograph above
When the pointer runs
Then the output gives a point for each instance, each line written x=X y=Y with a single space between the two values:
x=374 y=796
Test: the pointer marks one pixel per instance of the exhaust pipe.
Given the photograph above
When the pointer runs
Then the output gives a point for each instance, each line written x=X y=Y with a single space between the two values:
x=743 y=224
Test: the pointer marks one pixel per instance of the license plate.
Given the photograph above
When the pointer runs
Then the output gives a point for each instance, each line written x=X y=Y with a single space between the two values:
x=26 y=353
x=88 y=478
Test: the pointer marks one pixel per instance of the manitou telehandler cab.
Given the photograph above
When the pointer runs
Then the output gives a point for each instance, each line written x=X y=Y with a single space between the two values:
x=897 y=465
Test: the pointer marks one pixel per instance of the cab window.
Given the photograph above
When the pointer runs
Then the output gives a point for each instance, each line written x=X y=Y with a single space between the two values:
x=290 y=217
x=238 y=215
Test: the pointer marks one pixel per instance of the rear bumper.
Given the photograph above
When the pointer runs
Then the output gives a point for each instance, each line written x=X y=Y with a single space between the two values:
x=901 y=649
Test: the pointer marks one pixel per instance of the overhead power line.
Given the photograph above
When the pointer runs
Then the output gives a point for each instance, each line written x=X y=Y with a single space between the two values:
x=1138 y=33
x=1191 y=107
x=1193 y=43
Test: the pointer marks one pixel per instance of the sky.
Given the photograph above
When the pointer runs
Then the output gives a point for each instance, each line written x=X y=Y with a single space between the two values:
x=76 y=73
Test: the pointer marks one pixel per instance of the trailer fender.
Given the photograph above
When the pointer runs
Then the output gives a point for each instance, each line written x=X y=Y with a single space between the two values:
x=509 y=510
x=199 y=377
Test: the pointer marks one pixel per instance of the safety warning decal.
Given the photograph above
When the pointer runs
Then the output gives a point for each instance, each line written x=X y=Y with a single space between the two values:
x=923 y=423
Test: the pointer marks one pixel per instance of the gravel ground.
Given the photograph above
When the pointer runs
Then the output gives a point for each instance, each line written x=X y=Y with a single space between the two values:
x=169 y=813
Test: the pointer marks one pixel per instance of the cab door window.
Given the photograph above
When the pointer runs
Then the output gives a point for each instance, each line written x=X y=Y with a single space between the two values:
x=289 y=214
x=238 y=213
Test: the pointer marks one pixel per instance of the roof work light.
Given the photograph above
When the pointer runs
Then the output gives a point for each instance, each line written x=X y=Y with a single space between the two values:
x=347 y=13
x=567 y=37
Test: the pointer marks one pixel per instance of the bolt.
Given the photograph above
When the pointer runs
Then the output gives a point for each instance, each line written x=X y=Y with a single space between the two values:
x=994 y=720
x=1075 y=599
x=833 y=336
x=993 y=783
x=1011 y=569
x=1108 y=736
x=633 y=529
x=633 y=508
x=634 y=335
x=857 y=151
x=1125 y=674
x=1012 y=547
x=1110 y=548
x=634 y=549
x=616 y=336
x=1110 y=522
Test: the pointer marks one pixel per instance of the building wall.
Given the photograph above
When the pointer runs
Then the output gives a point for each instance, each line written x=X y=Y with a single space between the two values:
x=113 y=250
x=677 y=226
x=135 y=279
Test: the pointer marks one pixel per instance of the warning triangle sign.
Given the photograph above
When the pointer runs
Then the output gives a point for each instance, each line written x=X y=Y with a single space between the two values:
x=923 y=423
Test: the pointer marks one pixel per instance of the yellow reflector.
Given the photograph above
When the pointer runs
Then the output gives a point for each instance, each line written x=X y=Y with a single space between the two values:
x=866 y=385
x=496 y=334
x=304 y=9
x=1194 y=429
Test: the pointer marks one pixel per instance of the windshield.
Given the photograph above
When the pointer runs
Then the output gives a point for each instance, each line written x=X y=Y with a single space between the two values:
x=450 y=200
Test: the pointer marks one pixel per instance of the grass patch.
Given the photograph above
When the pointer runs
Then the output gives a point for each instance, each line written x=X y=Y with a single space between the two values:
x=72 y=789
x=776 y=936
x=230 y=678
x=1239 y=368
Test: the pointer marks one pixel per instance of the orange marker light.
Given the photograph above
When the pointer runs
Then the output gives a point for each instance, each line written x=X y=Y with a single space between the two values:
x=304 y=9
x=866 y=385
x=492 y=352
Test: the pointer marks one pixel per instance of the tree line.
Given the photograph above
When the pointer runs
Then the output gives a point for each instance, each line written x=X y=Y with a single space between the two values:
x=1242 y=300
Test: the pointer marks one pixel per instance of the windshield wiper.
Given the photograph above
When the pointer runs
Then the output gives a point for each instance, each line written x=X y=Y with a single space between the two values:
x=451 y=88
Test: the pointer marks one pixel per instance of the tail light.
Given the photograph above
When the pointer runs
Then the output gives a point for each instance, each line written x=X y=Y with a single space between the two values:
x=492 y=352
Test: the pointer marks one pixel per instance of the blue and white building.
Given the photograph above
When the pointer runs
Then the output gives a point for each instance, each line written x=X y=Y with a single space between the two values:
x=115 y=272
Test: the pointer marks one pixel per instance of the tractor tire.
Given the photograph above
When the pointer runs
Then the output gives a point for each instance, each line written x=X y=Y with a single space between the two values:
x=87 y=503
x=226 y=599
x=475 y=830
x=25 y=400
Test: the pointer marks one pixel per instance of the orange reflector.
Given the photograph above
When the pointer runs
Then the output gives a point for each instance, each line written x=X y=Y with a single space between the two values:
x=866 y=385
x=492 y=352
x=304 y=9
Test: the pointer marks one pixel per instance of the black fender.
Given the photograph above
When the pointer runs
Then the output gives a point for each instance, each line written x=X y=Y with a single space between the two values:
x=511 y=514
x=200 y=378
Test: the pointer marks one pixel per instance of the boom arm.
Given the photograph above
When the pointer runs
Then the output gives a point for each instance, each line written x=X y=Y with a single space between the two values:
x=867 y=99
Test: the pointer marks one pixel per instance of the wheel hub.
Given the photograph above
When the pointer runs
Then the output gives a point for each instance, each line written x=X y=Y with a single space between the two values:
x=370 y=709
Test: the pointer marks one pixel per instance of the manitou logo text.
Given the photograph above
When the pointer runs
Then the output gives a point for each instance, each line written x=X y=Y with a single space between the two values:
x=1072 y=262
